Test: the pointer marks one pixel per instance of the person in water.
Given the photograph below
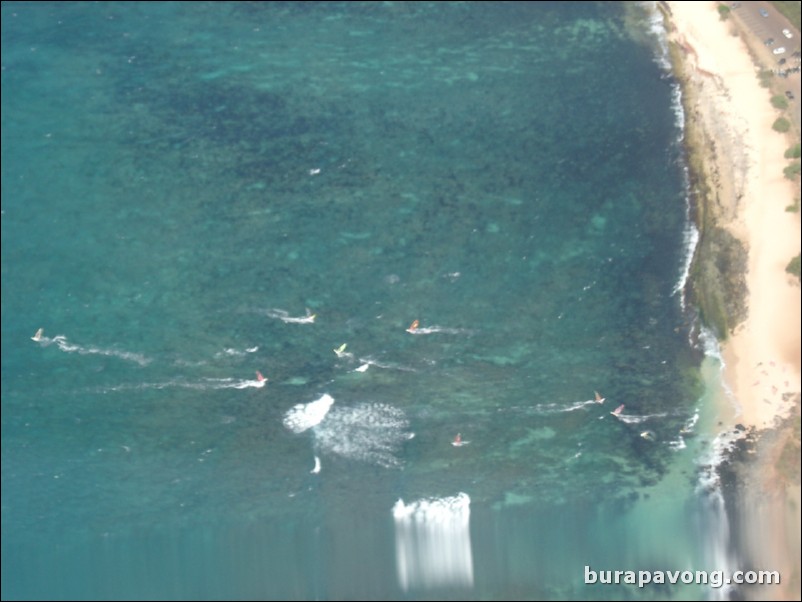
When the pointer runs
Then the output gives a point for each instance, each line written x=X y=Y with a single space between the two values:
x=458 y=442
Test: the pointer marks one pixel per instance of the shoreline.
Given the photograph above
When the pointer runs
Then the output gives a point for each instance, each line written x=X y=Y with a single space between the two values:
x=738 y=279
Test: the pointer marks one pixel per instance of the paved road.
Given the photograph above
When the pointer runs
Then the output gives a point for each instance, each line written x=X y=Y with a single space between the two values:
x=747 y=16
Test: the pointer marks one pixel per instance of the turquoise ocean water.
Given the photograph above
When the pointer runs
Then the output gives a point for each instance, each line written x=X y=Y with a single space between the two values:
x=185 y=184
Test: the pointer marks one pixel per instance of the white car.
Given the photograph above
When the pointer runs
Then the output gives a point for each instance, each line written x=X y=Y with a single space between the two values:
x=787 y=33
x=779 y=50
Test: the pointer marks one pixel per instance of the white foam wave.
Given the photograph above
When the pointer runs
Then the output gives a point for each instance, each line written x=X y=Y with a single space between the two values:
x=690 y=241
x=304 y=416
x=368 y=432
x=719 y=550
x=679 y=112
x=688 y=428
x=433 y=542
x=633 y=419
x=710 y=345
x=690 y=233
x=690 y=424
x=678 y=443
x=712 y=349
x=231 y=351
x=658 y=30
x=64 y=345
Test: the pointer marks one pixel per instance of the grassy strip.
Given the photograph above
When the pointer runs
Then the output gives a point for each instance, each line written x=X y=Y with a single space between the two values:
x=791 y=11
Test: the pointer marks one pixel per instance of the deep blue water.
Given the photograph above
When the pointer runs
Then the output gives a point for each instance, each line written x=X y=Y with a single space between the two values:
x=179 y=177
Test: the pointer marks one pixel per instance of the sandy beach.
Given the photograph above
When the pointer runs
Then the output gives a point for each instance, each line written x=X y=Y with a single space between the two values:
x=762 y=355
x=743 y=160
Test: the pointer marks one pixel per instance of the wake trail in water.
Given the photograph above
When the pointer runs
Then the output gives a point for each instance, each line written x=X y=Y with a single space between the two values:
x=634 y=419
x=61 y=342
x=202 y=384
x=550 y=408
x=441 y=330
x=234 y=352
x=284 y=316
x=416 y=328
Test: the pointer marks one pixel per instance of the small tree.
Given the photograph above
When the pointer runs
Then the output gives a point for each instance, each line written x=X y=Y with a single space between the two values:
x=779 y=101
x=782 y=125
x=794 y=152
x=723 y=12
x=793 y=266
x=792 y=170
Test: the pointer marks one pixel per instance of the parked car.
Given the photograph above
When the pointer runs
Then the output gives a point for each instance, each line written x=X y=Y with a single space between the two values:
x=787 y=33
x=779 y=50
x=763 y=12
x=769 y=42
